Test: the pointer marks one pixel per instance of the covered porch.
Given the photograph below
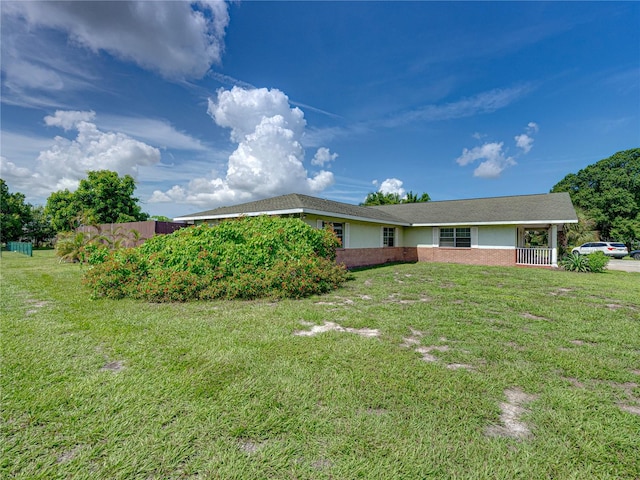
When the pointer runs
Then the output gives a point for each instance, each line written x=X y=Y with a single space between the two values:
x=537 y=245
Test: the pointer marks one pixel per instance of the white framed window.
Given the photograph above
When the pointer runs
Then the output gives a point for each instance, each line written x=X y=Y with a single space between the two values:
x=388 y=237
x=340 y=229
x=455 y=237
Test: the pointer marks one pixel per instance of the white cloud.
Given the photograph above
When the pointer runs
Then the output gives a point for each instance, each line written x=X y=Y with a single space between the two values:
x=269 y=156
x=11 y=170
x=494 y=160
x=176 y=39
x=392 y=185
x=66 y=161
x=485 y=102
x=323 y=157
x=156 y=132
x=525 y=140
x=68 y=119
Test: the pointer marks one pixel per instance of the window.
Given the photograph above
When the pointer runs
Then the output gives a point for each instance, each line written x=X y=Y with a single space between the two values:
x=455 y=237
x=338 y=229
x=388 y=236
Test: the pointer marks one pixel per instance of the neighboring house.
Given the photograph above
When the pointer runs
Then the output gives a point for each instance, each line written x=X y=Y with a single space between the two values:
x=484 y=231
x=132 y=234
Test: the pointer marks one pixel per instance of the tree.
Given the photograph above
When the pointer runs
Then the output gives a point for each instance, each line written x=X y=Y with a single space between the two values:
x=380 y=198
x=161 y=218
x=413 y=198
x=14 y=214
x=39 y=229
x=63 y=210
x=608 y=192
x=102 y=197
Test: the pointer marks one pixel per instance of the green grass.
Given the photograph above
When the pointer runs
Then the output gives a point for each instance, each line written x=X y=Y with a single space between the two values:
x=127 y=389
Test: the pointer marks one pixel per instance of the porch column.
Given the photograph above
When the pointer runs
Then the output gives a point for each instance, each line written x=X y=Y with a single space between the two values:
x=554 y=245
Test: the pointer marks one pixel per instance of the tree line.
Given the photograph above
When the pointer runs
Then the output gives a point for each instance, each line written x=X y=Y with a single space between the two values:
x=102 y=197
x=606 y=195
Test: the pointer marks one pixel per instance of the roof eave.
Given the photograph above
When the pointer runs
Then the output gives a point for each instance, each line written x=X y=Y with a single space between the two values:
x=289 y=212
x=506 y=222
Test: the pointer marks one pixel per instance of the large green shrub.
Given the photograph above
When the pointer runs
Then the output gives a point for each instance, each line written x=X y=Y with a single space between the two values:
x=597 y=262
x=245 y=258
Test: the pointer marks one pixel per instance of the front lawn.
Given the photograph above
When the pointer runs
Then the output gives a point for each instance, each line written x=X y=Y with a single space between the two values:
x=409 y=371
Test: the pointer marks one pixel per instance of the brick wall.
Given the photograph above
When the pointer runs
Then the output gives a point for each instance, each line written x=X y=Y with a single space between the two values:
x=362 y=257
x=468 y=256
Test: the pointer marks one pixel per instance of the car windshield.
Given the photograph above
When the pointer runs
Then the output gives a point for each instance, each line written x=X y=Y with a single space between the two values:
x=619 y=245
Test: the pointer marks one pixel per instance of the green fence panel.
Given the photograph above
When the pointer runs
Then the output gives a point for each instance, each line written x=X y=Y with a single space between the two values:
x=25 y=248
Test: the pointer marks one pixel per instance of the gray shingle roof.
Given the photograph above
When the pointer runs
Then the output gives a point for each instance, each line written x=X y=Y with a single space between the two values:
x=295 y=202
x=543 y=208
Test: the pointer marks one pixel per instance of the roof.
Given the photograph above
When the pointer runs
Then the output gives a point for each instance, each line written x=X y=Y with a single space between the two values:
x=523 y=209
x=298 y=203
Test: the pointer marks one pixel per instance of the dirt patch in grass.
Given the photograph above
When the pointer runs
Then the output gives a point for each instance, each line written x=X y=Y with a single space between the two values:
x=249 y=446
x=581 y=342
x=116 y=366
x=426 y=352
x=69 y=455
x=35 y=305
x=531 y=316
x=322 y=464
x=574 y=381
x=561 y=291
x=414 y=342
x=629 y=408
x=394 y=298
x=332 y=326
x=511 y=425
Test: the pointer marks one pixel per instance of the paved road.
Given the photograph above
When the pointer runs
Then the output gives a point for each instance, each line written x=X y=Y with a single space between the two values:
x=625 y=265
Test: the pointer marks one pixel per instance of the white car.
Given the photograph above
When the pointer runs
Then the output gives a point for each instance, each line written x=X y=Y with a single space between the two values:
x=611 y=249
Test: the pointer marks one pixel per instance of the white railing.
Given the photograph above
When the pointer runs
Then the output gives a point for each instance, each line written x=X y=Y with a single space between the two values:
x=534 y=256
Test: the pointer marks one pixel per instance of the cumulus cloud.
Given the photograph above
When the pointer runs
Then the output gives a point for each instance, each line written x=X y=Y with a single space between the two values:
x=392 y=185
x=176 y=39
x=11 y=170
x=67 y=161
x=492 y=155
x=68 y=119
x=494 y=160
x=525 y=140
x=323 y=157
x=268 y=158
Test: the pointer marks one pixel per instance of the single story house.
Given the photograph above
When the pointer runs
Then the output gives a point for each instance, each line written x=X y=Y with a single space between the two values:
x=484 y=231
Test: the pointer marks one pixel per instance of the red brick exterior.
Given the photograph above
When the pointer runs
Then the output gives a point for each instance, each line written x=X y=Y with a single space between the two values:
x=362 y=257
x=469 y=256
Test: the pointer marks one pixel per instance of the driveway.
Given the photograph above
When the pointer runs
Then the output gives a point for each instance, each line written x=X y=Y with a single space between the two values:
x=624 y=265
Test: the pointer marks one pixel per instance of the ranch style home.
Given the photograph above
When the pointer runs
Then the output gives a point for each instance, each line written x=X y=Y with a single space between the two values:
x=506 y=231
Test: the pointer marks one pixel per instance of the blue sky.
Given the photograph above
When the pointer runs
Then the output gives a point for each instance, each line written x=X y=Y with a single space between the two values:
x=211 y=103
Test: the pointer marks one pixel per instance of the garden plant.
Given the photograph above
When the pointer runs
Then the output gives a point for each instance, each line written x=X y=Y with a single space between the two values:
x=245 y=258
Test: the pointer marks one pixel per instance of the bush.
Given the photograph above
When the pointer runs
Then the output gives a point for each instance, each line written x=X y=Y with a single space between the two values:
x=244 y=258
x=594 y=262
x=597 y=262
x=574 y=262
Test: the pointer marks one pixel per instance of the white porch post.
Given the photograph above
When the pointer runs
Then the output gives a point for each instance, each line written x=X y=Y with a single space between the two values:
x=554 y=245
